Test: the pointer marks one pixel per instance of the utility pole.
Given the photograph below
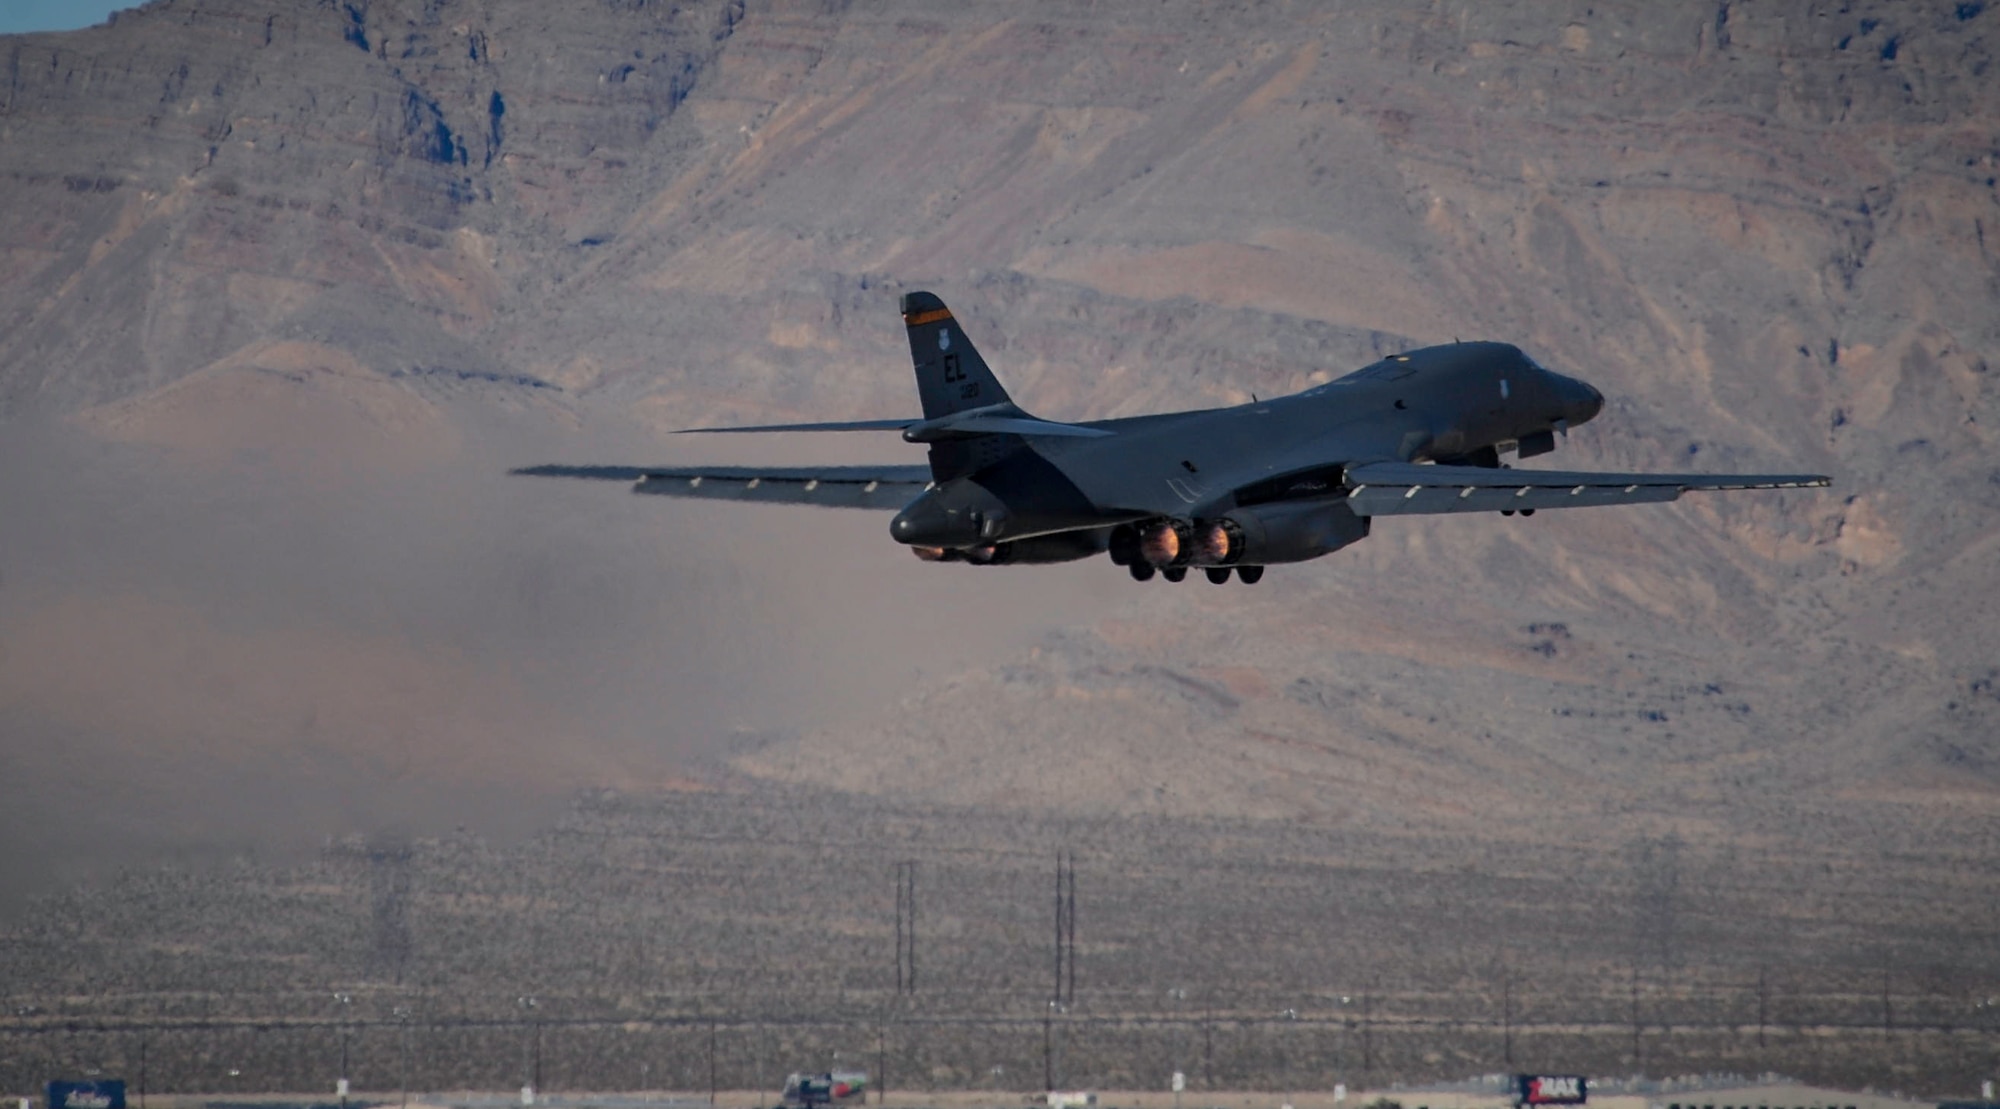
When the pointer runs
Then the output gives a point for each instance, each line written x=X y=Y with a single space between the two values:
x=345 y=1000
x=1208 y=1048
x=881 y=1063
x=1056 y=994
x=1065 y=936
x=1286 y=1021
x=1762 y=998
x=1507 y=1016
x=1048 y=1047
x=1888 y=1014
x=402 y=1014
x=533 y=1049
x=1635 y=1014
x=711 y=1060
x=1367 y=1044
x=906 y=927
x=1070 y=938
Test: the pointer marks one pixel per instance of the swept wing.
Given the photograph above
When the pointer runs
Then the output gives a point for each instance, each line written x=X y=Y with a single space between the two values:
x=1405 y=488
x=828 y=486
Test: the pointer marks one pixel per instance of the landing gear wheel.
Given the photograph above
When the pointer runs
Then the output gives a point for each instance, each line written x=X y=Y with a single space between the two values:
x=1250 y=575
x=1217 y=574
x=1174 y=573
x=1527 y=512
x=1141 y=571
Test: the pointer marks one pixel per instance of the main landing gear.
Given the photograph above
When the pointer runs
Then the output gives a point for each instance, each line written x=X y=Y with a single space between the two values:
x=1144 y=571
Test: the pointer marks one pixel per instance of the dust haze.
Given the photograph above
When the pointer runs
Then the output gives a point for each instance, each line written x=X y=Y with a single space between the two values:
x=211 y=655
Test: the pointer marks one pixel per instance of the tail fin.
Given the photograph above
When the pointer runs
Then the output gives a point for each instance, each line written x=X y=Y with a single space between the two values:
x=951 y=377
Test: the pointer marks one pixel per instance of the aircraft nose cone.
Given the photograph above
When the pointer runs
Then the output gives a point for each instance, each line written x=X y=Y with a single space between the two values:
x=1581 y=401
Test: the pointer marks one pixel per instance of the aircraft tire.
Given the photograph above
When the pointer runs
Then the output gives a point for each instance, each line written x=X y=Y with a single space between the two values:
x=1527 y=512
x=1250 y=575
x=1217 y=574
x=1141 y=571
x=1174 y=573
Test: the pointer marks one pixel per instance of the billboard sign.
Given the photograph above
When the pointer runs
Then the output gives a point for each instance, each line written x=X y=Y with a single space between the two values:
x=1551 y=1089
x=108 y=1093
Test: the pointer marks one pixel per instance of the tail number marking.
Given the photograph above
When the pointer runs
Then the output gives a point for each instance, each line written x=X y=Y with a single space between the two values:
x=954 y=375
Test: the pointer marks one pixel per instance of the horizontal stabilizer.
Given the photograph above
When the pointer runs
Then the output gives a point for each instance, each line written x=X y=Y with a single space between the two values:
x=1406 y=488
x=1024 y=425
x=837 y=425
x=889 y=487
x=992 y=420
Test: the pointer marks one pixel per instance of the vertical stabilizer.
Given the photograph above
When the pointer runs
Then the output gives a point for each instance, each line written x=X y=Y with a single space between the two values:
x=951 y=377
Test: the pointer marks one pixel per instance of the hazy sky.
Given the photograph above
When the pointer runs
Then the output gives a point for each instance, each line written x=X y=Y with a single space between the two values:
x=56 y=15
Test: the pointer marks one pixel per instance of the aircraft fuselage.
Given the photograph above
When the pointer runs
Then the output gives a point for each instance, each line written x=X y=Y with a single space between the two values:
x=1463 y=402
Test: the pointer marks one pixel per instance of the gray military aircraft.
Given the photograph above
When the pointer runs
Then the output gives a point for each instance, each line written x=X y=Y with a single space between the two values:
x=1224 y=489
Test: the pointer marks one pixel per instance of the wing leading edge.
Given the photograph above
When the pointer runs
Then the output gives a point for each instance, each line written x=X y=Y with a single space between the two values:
x=827 y=486
x=1407 y=489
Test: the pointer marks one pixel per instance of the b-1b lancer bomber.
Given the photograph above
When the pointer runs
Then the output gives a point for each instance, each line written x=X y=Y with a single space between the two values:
x=1228 y=490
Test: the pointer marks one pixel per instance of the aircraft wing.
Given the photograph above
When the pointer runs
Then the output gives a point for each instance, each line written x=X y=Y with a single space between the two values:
x=1406 y=488
x=827 y=486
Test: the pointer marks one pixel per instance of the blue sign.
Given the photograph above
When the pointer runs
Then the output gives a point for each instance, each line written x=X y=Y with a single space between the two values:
x=106 y=1093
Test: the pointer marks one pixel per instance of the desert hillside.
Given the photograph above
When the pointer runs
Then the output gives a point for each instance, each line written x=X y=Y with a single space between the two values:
x=339 y=240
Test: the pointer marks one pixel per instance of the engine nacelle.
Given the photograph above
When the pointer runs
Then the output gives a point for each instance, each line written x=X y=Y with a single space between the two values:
x=1273 y=533
x=1219 y=542
x=1167 y=542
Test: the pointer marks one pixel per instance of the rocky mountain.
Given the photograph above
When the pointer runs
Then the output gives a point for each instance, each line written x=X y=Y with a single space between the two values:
x=288 y=282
